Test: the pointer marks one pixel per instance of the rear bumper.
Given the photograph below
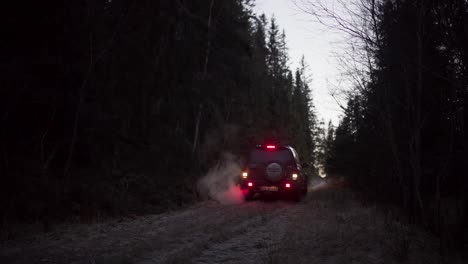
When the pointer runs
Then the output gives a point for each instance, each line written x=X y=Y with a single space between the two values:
x=281 y=185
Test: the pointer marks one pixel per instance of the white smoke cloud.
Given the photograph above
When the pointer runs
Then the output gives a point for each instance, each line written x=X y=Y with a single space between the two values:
x=220 y=182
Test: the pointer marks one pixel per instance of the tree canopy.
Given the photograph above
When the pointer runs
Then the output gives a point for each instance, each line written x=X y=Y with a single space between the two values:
x=403 y=139
x=118 y=106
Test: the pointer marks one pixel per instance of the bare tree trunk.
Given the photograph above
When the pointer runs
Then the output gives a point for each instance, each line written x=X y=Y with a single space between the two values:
x=71 y=148
x=208 y=44
x=417 y=121
x=4 y=151
x=397 y=160
x=205 y=73
x=45 y=165
x=197 y=129
x=46 y=132
x=81 y=91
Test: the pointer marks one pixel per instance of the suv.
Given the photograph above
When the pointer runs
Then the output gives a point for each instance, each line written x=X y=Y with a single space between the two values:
x=273 y=168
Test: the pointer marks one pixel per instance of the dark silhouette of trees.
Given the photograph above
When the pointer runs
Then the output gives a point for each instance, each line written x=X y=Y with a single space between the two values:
x=402 y=138
x=116 y=107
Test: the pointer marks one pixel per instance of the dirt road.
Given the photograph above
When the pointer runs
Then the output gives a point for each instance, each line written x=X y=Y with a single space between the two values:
x=329 y=226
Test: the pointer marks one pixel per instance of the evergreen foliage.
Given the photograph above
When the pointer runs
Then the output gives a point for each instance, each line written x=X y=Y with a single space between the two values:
x=403 y=136
x=117 y=107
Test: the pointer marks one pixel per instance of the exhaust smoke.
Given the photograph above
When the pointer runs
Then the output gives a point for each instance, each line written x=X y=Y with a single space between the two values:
x=220 y=182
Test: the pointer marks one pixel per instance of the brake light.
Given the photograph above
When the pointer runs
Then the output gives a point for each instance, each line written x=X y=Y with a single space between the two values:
x=271 y=147
x=287 y=185
x=250 y=184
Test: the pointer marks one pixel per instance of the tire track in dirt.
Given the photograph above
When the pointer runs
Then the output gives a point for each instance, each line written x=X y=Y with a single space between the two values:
x=251 y=246
x=164 y=238
x=328 y=226
x=233 y=225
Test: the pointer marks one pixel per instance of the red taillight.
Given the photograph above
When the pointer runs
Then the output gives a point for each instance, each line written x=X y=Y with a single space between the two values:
x=287 y=185
x=250 y=184
x=270 y=146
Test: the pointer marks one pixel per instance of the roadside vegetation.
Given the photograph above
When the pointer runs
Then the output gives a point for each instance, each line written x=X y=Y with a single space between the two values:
x=112 y=108
x=331 y=225
x=403 y=137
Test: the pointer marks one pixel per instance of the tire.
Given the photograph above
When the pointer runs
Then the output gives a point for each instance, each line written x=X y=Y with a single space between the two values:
x=304 y=190
x=297 y=196
x=306 y=183
x=249 y=196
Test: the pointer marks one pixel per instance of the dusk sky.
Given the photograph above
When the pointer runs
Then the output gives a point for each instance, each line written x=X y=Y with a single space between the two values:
x=319 y=46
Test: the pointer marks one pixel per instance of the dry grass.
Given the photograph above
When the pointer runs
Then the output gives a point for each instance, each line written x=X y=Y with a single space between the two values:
x=332 y=227
x=329 y=226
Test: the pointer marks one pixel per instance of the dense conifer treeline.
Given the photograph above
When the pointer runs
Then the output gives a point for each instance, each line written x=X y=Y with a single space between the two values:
x=403 y=138
x=115 y=107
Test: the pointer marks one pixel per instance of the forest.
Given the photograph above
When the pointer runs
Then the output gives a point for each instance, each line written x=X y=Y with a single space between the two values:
x=113 y=108
x=403 y=138
x=117 y=107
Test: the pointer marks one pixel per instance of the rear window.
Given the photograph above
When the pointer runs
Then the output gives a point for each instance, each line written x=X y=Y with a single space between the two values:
x=264 y=156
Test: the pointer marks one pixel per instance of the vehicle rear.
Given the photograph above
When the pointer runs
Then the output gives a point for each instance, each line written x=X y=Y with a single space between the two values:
x=273 y=169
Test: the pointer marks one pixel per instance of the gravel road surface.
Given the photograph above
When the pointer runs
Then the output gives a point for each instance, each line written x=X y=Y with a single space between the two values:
x=329 y=226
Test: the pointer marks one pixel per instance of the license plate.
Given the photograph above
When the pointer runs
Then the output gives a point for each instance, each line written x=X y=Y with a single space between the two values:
x=269 y=188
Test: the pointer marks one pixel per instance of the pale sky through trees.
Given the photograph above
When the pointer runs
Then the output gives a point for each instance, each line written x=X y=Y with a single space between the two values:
x=319 y=46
